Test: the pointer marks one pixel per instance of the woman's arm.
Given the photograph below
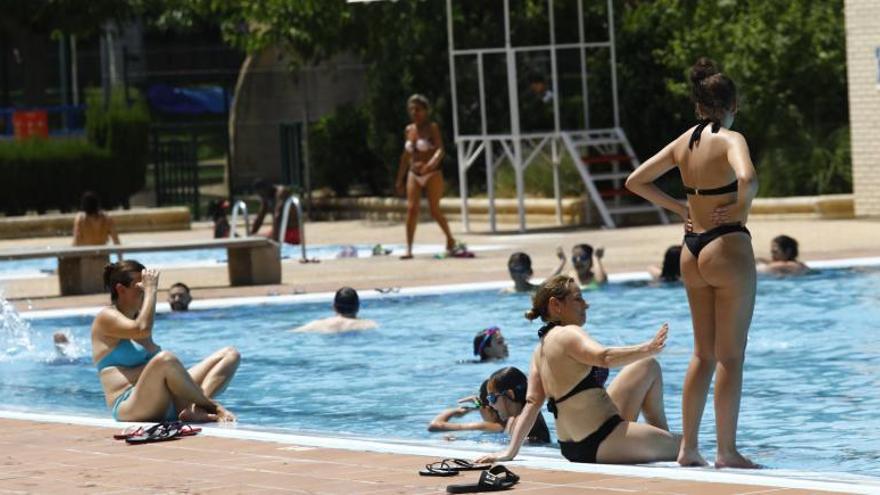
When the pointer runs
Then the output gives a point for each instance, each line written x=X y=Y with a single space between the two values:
x=560 y=253
x=436 y=159
x=112 y=323
x=442 y=422
x=77 y=229
x=641 y=181
x=746 y=181
x=599 y=274
x=586 y=350
x=525 y=421
x=114 y=236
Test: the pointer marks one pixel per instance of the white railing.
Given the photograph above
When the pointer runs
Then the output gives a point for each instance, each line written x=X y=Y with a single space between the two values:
x=285 y=217
x=239 y=205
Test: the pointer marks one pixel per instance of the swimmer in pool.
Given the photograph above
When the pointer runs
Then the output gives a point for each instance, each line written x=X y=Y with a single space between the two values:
x=670 y=271
x=587 y=264
x=500 y=402
x=783 y=253
x=346 y=304
x=717 y=264
x=593 y=424
x=142 y=382
x=519 y=265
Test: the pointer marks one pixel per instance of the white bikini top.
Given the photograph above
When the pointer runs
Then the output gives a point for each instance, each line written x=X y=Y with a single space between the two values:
x=420 y=144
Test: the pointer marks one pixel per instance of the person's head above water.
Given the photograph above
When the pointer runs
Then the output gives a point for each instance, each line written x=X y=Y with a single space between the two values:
x=713 y=93
x=418 y=108
x=346 y=302
x=507 y=391
x=489 y=344
x=559 y=300
x=90 y=203
x=582 y=257
x=179 y=297
x=671 y=271
x=784 y=248
x=520 y=266
x=121 y=280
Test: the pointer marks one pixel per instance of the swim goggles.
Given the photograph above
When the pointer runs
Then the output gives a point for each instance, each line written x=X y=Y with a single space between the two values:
x=489 y=332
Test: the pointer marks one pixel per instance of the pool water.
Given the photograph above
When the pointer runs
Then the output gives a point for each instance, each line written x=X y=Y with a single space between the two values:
x=209 y=257
x=810 y=398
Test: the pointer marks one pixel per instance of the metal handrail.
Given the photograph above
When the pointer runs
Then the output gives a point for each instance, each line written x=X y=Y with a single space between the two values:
x=239 y=205
x=285 y=217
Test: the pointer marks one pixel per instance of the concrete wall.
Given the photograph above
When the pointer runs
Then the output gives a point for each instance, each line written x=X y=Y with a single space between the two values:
x=268 y=94
x=863 y=73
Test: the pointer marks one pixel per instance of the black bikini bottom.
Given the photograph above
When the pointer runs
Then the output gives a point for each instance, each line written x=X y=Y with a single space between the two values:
x=696 y=242
x=585 y=450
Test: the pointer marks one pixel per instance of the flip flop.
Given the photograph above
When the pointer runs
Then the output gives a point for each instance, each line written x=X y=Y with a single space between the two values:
x=156 y=433
x=439 y=468
x=494 y=480
x=129 y=432
x=186 y=430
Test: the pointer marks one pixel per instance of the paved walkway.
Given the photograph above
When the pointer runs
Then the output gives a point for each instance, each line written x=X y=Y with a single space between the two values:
x=632 y=249
x=70 y=459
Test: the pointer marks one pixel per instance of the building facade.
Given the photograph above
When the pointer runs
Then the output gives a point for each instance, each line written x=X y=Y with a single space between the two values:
x=863 y=74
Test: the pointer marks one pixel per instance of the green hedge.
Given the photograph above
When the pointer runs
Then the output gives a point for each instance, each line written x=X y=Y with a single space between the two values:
x=340 y=155
x=41 y=174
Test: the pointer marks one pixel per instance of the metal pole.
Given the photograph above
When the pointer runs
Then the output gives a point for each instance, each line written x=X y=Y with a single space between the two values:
x=553 y=70
x=487 y=153
x=514 y=119
x=462 y=188
x=613 y=64
x=462 y=170
x=583 y=52
x=64 y=73
x=74 y=73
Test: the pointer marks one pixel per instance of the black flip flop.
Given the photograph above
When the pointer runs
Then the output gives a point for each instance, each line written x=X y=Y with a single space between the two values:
x=156 y=433
x=494 y=480
x=439 y=468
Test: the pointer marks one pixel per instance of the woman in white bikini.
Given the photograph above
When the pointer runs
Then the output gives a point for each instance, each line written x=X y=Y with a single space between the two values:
x=718 y=264
x=420 y=168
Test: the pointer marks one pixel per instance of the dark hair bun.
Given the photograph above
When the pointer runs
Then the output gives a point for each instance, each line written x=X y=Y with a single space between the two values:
x=703 y=68
x=109 y=268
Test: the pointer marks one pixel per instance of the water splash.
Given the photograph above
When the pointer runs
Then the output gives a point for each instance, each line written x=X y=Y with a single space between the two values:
x=16 y=334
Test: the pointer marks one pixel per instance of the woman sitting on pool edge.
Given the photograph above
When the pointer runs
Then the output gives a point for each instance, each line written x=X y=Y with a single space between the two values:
x=142 y=382
x=501 y=400
x=593 y=425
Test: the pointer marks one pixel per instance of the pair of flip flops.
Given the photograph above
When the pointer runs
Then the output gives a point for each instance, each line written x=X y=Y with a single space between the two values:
x=159 y=432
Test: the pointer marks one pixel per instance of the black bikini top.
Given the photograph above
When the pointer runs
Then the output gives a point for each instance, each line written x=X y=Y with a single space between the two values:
x=695 y=138
x=596 y=378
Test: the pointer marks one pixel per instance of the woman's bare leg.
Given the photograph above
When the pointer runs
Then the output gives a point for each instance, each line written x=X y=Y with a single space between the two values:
x=215 y=372
x=165 y=379
x=698 y=378
x=633 y=443
x=731 y=263
x=434 y=189
x=413 y=200
x=638 y=388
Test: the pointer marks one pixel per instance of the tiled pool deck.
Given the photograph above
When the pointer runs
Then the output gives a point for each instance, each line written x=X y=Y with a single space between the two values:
x=47 y=457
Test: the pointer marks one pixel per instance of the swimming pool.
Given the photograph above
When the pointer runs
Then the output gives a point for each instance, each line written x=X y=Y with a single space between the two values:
x=812 y=384
x=42 y=267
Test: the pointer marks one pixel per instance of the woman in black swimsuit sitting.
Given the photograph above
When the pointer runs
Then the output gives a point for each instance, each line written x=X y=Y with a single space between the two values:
x=718 y=266
x=593 y=425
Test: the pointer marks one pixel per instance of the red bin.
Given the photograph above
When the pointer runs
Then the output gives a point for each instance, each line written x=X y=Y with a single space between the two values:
x=32 y=123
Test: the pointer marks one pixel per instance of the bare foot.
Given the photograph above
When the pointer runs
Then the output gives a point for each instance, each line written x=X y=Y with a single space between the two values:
x=450 y=244
x=691 y=458
x=224 y=416
x=195 y=414
x=407 y=256
x=734 y=460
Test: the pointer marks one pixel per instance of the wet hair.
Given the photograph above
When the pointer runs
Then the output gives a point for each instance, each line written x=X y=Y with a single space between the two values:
x=558 y=287
x=788 y=246
x=511 y=378
x=419 y=99
x=346 y=302
x=179 y=284
x=671 y=271
x=90 y=203
x=519 y=258
x=584 y=248
x=482 y=340
x=262 y=187
x=484 y=392
x=121 y=272
x=712 y=91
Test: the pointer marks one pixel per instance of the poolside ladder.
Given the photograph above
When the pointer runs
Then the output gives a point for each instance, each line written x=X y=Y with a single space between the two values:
x=236 y=207
x=600 y=156
x=294 y=200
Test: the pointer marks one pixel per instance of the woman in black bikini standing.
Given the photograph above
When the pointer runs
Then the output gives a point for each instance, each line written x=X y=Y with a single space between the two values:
x=420 y=168
x=718 y=266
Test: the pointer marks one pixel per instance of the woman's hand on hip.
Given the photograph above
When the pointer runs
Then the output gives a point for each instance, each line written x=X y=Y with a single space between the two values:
x=723 y=214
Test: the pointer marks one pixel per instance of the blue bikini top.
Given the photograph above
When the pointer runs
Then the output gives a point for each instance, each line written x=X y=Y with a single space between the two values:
x=126 y=354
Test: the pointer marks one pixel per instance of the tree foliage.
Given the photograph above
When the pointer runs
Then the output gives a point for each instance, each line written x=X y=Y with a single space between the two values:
x=787 y=57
